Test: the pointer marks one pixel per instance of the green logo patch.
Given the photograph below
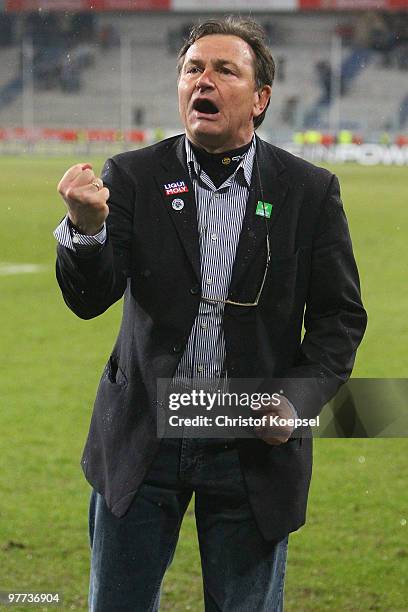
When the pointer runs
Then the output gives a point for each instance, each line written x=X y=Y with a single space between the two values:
x=263 y=209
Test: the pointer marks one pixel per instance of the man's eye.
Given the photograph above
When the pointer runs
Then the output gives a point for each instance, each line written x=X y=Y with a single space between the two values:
x=192 y=69
x=226 y=70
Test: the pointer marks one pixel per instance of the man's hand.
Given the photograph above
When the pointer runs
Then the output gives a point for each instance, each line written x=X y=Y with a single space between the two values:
x=85 y=198
x=275 y=434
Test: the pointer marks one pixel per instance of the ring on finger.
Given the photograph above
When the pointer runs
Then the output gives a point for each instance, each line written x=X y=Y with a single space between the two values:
x=97 y=185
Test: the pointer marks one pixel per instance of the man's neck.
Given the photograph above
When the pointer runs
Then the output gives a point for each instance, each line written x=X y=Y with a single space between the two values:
x=219 y=166
x=215 y=148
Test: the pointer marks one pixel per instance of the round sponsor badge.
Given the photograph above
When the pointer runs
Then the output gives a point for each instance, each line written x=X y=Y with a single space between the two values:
x=177 y=204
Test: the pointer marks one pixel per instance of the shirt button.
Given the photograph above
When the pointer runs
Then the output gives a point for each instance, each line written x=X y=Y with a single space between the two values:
x=200 y=368
x=209 y=280
x=195 y=290
x=203 y=325
x=75 y=239
x=214 y=237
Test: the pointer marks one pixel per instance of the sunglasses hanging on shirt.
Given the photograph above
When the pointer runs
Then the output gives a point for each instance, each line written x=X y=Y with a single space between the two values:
x=266 y=215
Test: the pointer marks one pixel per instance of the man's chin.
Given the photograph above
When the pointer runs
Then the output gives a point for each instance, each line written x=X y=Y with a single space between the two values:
x=207 y=134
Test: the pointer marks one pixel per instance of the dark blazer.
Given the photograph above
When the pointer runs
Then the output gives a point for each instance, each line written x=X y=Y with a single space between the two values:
x=152 y=257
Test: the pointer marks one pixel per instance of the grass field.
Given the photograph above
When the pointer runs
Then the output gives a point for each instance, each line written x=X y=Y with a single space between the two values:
x=353 y=554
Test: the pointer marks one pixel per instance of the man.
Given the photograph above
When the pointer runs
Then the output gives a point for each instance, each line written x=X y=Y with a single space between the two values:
x=218 y=241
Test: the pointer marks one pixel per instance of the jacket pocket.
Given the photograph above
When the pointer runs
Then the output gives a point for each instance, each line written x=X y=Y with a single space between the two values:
x=114 y=372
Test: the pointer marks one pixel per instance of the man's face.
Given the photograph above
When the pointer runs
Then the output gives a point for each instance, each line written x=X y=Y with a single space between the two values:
x=217 y=93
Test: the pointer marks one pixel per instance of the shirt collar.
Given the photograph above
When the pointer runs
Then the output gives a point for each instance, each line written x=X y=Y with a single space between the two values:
x=245 y=165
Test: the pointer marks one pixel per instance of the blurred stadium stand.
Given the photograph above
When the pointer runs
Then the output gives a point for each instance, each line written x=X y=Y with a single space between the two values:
x=118 y=71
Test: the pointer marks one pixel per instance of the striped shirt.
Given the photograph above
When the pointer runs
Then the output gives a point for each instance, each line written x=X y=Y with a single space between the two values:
x=220 y=214
x=67 y=236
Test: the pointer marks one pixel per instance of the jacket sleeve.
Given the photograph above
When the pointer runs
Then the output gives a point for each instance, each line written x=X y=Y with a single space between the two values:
x=90 y=284
x=335 y=319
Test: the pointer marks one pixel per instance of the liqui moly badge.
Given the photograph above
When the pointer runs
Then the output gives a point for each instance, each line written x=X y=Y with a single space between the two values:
x=176 y=187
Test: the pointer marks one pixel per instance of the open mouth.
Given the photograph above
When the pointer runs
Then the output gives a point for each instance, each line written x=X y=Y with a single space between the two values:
x=206 y=107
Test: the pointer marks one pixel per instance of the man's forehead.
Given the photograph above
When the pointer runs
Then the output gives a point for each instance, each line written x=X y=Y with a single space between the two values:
x=215 y=47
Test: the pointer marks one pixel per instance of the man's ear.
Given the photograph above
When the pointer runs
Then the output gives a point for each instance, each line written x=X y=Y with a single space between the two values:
x=262 y=99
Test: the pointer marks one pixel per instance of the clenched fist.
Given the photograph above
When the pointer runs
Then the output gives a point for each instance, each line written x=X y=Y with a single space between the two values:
x=85 y=197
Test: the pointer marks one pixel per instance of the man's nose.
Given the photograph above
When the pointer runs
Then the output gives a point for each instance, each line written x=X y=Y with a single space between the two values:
x=205 y=81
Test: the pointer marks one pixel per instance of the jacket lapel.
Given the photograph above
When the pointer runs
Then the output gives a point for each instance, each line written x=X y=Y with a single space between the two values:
x=184 y=212
x=268 y=184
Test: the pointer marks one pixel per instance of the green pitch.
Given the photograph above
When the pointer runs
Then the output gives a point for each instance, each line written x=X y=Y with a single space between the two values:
x=353 y=554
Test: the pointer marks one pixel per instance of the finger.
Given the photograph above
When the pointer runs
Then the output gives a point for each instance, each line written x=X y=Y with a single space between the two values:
x=87 y=179
x=83 y=178
x=87 y=194
x=71 y=174
x=104 y=192
x=97 y=183
x=74 y=171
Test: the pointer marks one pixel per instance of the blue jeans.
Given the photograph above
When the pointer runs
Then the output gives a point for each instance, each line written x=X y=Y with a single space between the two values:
x=241 y=571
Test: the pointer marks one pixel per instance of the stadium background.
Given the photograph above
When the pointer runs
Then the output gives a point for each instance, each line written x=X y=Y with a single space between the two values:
x=80 y=80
